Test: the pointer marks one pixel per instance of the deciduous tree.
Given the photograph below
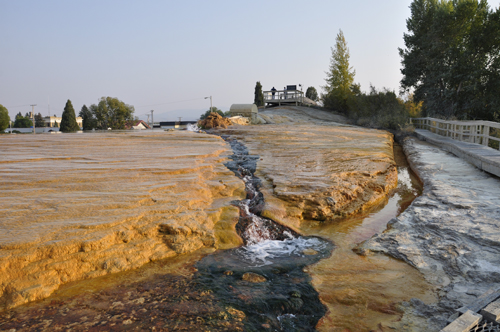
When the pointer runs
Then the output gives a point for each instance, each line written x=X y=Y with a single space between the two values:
x=111 y=113
x=311 y=93
x=22 y=121
x=451 y=58
x=4 y=118
x=88 y=120
x=39 y=121
x=212 y=110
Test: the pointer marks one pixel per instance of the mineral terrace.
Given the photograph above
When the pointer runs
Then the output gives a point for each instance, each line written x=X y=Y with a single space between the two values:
x=78 y=206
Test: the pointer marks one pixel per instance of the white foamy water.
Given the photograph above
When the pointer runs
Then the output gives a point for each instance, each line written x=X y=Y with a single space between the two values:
x=257 y=231
x=263 y=253
x=192 y=127
x=286 y=318
x=262 y=247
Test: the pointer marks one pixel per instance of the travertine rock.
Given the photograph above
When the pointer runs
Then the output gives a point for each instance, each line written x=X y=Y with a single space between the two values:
x=253 y=277
x=450 y=233
x=239 y=120
x=318 y=169
x=78 y=206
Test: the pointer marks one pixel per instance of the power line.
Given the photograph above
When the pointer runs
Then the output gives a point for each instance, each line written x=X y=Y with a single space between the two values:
x=172 y=102
x=16 y=106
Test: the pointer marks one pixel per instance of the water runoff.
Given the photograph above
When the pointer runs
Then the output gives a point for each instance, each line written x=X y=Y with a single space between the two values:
x=283 y=298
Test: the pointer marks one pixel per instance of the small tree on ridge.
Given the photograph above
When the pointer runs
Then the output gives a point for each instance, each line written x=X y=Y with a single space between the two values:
x=258 y=95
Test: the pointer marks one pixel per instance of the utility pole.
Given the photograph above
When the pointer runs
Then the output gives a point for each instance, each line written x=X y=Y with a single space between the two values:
x=152 y=121
x=149 y=123
x=33 y=116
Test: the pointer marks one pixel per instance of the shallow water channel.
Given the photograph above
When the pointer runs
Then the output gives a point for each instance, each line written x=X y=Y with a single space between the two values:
x=265 y=278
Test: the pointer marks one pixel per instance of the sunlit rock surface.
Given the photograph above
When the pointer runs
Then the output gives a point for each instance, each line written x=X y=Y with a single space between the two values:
x=450 y=233
x=328 y=179
x=77 y=206
x=315 y=169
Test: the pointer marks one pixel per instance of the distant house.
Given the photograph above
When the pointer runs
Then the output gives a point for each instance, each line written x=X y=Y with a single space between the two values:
x=50 y=121
x=137 y=124
x=176 y=124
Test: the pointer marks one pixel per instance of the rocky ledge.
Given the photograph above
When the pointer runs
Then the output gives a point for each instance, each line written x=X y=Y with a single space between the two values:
x=79 y=206
x=313 y=168
x=450 y=234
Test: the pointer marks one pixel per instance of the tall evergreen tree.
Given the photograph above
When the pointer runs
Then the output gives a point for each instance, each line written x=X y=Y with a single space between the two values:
x=68 y=121
x=258 y=95
x=339 y=77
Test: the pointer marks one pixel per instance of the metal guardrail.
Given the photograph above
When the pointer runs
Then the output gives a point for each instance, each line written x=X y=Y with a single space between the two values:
x=479 y=132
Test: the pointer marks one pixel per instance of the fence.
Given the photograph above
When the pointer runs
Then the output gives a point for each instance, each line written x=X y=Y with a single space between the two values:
x=283 y=95
x=480 y=132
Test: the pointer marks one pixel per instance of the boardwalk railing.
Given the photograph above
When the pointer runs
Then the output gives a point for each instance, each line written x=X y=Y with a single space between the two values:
x=480 y=132
x=283 y=95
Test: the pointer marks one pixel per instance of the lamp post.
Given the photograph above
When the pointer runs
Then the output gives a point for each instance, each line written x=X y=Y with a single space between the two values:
x=152 y=120
x=33 y=117
x=210 y=102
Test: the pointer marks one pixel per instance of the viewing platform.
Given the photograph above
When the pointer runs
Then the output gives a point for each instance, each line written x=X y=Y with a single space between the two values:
x=286 y=97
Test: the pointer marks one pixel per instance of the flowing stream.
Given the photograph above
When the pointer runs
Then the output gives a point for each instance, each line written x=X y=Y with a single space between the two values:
x=282 y=297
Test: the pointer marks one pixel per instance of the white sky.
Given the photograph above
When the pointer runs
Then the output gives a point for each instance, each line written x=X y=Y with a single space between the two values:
x=159 y=54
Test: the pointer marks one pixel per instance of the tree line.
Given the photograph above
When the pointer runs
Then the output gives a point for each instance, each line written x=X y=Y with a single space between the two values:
x=451 y=58
x=450 y=67
x=107 y=113
x=377 y=108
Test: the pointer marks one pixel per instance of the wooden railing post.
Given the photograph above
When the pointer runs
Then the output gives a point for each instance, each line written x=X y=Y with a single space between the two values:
x=486 y=135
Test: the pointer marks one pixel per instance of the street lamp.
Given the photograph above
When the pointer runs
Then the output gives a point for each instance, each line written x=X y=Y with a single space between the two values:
x=210 y=102
x=33 y=117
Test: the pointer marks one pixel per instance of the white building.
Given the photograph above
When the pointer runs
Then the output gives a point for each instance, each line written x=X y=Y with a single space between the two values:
x=50 y=121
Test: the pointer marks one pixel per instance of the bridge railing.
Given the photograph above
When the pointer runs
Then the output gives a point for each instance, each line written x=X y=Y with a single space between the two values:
x=480 y=132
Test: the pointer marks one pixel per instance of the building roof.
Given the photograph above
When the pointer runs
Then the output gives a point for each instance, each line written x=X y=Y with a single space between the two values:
x=135 y=123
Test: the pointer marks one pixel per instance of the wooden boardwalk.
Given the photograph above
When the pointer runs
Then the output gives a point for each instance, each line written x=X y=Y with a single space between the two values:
x=483 y=157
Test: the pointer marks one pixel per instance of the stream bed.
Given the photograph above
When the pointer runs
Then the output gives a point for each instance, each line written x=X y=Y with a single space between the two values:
x=265 y=278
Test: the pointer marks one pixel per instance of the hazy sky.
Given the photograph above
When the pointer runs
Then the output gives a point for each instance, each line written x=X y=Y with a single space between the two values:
x=169 y=55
